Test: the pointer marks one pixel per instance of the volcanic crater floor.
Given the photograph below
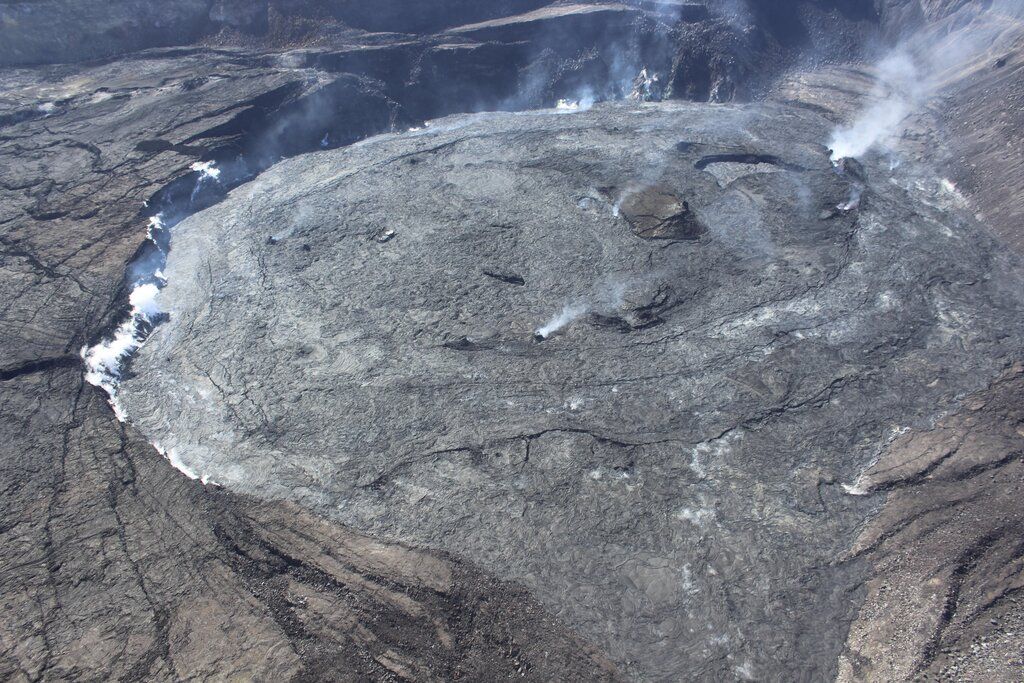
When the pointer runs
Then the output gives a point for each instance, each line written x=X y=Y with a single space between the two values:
x=633 y=358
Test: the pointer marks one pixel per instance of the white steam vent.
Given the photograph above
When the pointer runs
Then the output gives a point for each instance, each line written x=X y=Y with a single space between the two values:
x=207 y=169
x=646 y=86
x=567 y=315
x=105 y=360
x=606 y=298
x=583 y=101
x=208 y=172
x=900 y=88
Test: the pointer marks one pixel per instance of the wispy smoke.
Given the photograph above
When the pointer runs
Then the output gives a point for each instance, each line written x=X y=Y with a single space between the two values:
x=143 y=300
x=585 y=100
x=567 y=315
x=105 y=360
x=918 y=68
x=625 y=83
x=605 y=299
x=646 y=86
x=207 y=171
x=856 y=192
x=900 y=89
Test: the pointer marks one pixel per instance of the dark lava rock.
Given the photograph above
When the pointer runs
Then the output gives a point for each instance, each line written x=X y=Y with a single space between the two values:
x=947 y=547
x=852 y=169
x=673 y=491
x=47 y=31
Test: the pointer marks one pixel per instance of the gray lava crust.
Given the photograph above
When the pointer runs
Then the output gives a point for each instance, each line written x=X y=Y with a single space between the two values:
x=677 y=492
x=654 y=420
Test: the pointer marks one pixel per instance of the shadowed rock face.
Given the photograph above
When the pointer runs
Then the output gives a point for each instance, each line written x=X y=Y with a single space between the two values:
x=667 y=488
x=509 y=46
x=947 y=547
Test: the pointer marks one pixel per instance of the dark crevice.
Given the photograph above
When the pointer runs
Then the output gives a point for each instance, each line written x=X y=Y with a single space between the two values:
x=41 y=365
x=964 y=564
x=750 y=158
x=509 y=278
x=960 y=475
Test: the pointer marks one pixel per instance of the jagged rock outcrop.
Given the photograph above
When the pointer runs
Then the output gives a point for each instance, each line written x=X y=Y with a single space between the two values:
x=943 y=602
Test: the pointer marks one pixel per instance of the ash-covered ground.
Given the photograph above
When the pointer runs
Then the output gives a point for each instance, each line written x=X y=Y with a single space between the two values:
x=635 y=358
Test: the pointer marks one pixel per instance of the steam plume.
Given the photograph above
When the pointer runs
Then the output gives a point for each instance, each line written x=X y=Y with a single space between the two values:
x=104 y=361
x=918 y=68
x=899 y=91
x=207 y=170
x=608 y=298
x=567 y=315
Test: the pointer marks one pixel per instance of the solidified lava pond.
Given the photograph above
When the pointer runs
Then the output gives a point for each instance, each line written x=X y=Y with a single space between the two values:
x=636 y=358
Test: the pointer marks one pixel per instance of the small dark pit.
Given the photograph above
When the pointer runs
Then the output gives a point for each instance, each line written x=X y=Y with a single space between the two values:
x=506 y=277
x=611 y=322
x=385 y=235
x=460 y=344
x=744 y=157
x=193 y=83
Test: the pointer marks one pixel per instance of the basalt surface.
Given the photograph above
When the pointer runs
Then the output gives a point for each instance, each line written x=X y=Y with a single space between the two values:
x=115 y=565
x=634 y=358
x=722 y=441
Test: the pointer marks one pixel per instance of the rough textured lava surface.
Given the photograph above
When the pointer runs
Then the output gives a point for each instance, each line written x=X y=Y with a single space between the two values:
x=724 y=349
x=548 y=340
